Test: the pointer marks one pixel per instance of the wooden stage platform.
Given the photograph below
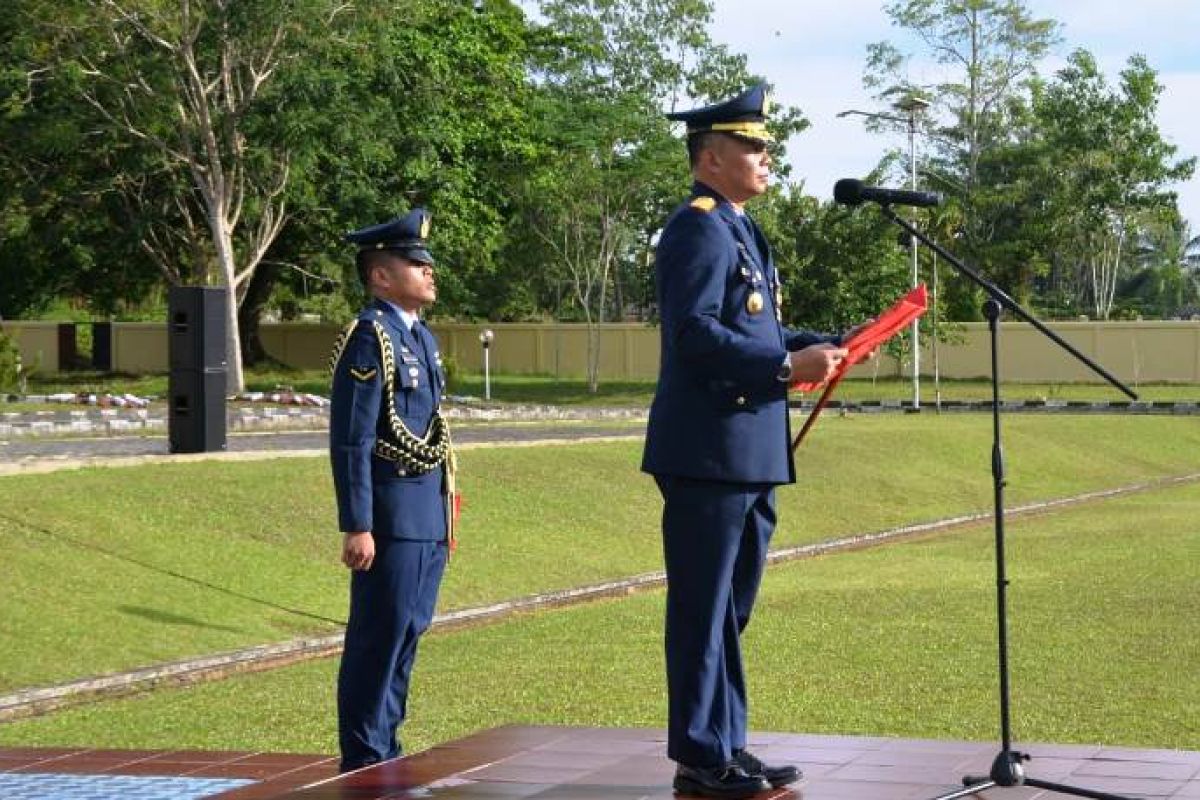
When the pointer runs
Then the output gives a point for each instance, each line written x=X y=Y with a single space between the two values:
x=562 y=763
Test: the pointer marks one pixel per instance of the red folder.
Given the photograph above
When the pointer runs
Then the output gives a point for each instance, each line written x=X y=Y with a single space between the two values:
x=862 y=344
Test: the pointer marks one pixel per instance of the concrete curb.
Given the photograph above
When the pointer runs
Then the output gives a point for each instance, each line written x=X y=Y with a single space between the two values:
x=32 y=702
x=46 y=464
x=243 y=418
x=1183 y=407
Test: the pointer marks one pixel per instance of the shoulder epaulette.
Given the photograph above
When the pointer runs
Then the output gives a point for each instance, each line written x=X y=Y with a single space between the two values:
x=703 y=203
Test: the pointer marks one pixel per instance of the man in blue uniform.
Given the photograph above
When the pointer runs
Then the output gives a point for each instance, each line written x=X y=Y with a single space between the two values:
x=717 y=442
x=393 y=476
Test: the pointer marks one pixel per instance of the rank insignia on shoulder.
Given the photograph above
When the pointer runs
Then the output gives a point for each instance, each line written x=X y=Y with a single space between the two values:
x=363 y=373
x=703 y=203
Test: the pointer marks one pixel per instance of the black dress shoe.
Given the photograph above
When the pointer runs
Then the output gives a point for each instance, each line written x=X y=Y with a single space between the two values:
x=777 y=776
x=729 y=781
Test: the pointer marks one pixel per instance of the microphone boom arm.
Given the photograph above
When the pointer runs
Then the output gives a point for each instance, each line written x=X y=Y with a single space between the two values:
x=1005 y=301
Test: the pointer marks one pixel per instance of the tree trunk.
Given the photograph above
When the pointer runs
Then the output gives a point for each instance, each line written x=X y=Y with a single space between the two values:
x=225 y=258
x=258 y=292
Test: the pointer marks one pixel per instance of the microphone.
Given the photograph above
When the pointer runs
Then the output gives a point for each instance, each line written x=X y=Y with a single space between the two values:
x=852 y=192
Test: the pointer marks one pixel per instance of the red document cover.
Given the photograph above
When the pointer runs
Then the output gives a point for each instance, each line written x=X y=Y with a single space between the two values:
x=863 y=343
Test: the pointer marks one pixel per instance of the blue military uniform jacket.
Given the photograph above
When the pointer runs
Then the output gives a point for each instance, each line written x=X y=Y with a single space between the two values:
x=374 y=492
x=720 y=410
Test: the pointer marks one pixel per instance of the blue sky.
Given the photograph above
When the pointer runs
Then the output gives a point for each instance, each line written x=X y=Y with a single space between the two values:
x=813 y=51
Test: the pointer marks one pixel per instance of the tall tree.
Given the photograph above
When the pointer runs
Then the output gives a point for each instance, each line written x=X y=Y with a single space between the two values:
x=392 y=110
x=368 y=110
x=1102 y=173
x=607 y=71
x=56 y=163
x=986 y=51
x=168 y=89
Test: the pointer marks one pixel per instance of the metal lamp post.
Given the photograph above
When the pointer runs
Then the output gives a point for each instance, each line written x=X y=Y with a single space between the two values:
x=485 y=339
x=912 y=105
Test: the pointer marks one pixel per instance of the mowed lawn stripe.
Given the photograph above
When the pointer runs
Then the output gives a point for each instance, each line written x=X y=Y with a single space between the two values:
x=896 y=641
x=90 y=583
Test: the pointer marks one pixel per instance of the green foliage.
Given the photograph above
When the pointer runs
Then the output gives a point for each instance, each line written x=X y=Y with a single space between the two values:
x=12 y=371
x=989 y=49
x=541 y=149
x=839 y=266
x=1110 y=174
x=1054 y=183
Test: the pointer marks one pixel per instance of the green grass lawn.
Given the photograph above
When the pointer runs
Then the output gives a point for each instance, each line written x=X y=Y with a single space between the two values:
x=109 y=569
x=895 y=641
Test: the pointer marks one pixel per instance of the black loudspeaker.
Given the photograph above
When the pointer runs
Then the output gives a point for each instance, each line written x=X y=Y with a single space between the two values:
x=196 y=327
x=197 y=411
x=197 y=380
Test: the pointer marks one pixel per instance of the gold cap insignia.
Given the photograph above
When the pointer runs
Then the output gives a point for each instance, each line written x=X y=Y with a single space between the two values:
x=756 y=131
x=425 y=226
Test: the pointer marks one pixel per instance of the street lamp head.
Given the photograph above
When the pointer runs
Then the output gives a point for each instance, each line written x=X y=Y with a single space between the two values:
x=912 y=104
x=870 y=115
x=486 y=336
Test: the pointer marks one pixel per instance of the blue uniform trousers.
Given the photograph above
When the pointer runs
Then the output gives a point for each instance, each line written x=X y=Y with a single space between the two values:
x=715 y=540
x=391 y=605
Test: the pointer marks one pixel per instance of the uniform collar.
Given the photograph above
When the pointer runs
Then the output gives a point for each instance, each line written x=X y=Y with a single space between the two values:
x=406 y=319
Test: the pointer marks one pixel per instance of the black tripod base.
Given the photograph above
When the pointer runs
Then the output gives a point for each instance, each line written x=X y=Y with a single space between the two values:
x=1007 y=771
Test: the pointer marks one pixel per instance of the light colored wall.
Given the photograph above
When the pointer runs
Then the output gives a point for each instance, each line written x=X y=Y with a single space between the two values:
x=38 y=343
x=627 y=350
x=139 y=347
x=301 y=345
x=1134 y=352
x=1138 y=352
x=1167 y=351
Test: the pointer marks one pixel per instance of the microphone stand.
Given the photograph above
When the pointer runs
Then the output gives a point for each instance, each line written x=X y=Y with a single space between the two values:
x=1006 y=768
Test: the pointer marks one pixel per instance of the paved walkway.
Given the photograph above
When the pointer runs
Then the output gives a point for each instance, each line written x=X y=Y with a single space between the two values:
x=41 y=440
x=582 y=763
x=97 y=448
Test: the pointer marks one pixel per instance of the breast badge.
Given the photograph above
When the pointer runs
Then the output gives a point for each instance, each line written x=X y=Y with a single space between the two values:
x=754 y=303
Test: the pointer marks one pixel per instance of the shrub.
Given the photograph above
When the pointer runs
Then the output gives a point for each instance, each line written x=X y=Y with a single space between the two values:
x=450 y=368
x=12 y=377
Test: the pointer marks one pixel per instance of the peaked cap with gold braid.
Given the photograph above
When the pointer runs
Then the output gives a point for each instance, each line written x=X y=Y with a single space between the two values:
x=405 y=234
x=744 y=116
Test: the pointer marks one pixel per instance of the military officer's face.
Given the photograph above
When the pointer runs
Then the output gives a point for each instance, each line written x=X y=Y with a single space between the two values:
x=742 y=166
x=408 y=284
